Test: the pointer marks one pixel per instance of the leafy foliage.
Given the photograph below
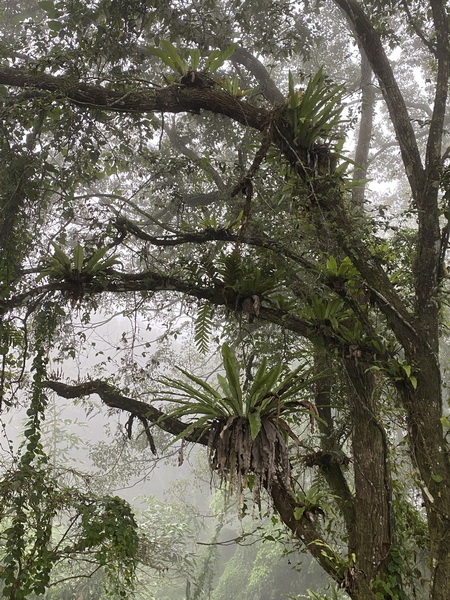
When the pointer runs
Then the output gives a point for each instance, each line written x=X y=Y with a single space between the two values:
x=247 y=427
x=315 y=112
x=235 y=205
x=77 y=268
x=174 y=60
x=267 y=398
x=203 y=328
x=32 y=499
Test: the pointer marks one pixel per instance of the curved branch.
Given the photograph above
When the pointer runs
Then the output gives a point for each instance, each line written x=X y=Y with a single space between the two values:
x=412 y=21
x=304 y=529
x=192 y=155
x=111 y=397
x=268 y=88
x=208 y=235
x=283 y=500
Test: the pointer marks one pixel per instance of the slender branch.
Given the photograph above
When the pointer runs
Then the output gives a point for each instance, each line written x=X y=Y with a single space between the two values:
x=365 y=129
x=192 y=155
x=268 y=88
x=413 y=22
x=434 y=144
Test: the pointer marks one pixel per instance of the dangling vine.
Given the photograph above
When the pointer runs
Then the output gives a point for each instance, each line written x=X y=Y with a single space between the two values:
x=31 y=498
x=27 y=563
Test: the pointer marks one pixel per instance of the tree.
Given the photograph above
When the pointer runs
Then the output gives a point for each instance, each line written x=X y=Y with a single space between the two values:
x=148 y=163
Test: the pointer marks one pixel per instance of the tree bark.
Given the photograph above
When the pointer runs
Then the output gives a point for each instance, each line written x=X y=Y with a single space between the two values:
x=371 y=530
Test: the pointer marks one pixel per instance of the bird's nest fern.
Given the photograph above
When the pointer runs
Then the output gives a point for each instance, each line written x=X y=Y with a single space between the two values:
x=247 y=430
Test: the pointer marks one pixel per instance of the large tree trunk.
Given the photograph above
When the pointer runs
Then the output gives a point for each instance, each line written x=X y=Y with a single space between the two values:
x=429 y=452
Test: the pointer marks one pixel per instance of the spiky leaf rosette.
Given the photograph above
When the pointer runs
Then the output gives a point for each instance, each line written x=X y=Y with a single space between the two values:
x=247 y=429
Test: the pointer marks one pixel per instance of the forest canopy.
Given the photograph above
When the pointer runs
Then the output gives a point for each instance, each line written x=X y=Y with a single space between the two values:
x=255 y=196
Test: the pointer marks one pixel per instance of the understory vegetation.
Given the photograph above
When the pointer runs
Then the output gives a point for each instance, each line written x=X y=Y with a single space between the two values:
x=224 y=230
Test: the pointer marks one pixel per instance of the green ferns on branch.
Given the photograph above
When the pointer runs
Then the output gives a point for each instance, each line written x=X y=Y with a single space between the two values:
x=78 y=267
x=77 y=271
x=315 y=112
x=248 y=431
x=172 y=58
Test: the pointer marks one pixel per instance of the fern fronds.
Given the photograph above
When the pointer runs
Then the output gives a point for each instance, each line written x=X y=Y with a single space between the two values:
x=230 y=268
x=203 y=327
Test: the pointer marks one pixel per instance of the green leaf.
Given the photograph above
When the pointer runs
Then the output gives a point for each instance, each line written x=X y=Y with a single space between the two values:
x=105 y=264
x=55 y=25
x=190 y=392
x=332 y=265
x=61 y=257
x=407 y=369
x=223 y=383
x=299 y=512
x=445 y=421
x=262 y=384
x=232 y=372
x=95 y=258
x=216 y=59
x=254 y=419
x=198 y=424
x=178 y=63
x=318 y=308
x=203 y=384
x=78 y=258
x=48 y=7
x=194 y=58
x=437 y=478
x=170 y=57
x=203 y=327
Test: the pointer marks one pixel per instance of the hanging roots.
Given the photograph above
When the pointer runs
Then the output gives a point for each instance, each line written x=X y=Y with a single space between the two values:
x=243 y=462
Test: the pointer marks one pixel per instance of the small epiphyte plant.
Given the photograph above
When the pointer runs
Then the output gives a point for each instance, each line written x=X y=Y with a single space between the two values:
x=77 y=267
x=316 y=111
x=174 y=59
x=78 y=271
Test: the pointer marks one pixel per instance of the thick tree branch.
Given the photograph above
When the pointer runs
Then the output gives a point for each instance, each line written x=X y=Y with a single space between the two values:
x=434 y=144
x=112 y=398
x=332 y=456
x=370 y=41
x=174 y=98
x=150 y=281
x=429 y=239
x=304 y=529
x=371 y=455
x=225 y=235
